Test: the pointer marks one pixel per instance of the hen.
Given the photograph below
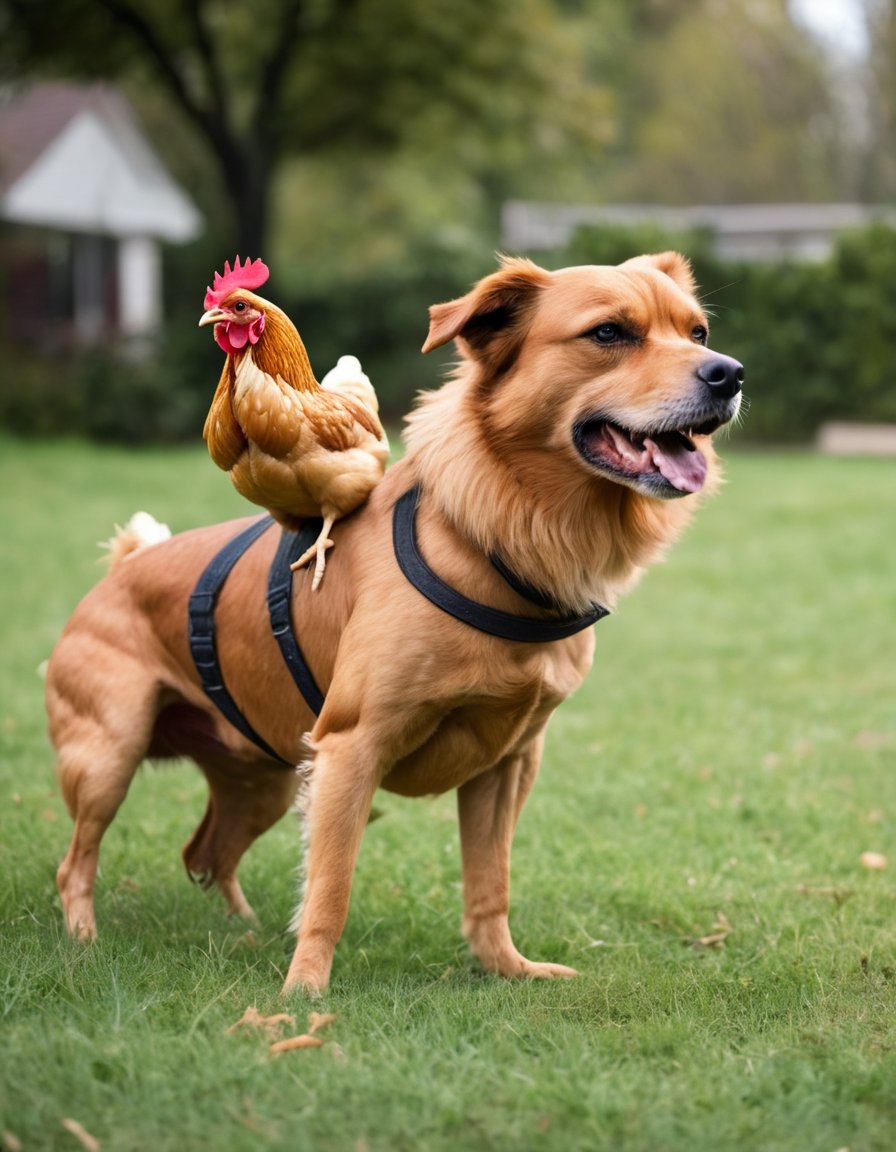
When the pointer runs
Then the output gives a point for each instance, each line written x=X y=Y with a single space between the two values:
x=294 y=446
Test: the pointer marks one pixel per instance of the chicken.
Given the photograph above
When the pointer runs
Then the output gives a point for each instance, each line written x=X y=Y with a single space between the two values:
x=294 y=446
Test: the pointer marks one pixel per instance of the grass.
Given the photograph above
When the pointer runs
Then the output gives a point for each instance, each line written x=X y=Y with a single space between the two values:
x=722 y=770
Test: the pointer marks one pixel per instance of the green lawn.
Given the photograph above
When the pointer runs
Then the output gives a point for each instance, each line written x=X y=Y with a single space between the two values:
x=728 y=761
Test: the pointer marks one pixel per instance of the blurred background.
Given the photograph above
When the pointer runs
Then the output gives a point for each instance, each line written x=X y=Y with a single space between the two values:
x=377 y=153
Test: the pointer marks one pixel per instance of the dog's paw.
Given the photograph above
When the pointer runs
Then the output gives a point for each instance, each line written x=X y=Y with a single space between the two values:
x=309 y=970
x=308 y=986
x=490 y=942
x=545 y=971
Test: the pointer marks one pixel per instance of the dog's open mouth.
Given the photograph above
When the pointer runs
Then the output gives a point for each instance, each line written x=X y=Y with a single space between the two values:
x=666 y=463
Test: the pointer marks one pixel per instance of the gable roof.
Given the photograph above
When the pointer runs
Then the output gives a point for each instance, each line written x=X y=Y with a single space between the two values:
x=74 y=158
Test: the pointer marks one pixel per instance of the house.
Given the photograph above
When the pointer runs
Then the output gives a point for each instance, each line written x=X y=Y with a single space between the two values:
x=740 y=231
x=85 y=204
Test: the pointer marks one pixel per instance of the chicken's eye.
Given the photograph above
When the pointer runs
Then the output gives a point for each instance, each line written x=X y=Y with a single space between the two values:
x=240 y=306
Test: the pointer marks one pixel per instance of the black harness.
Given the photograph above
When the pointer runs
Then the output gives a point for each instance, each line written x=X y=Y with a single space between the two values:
x=201 y=614
x=201 y=611
x=525 y=629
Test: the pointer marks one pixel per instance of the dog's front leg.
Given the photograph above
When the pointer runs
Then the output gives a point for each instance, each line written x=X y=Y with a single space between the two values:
x=341 y=792
x=489 y=806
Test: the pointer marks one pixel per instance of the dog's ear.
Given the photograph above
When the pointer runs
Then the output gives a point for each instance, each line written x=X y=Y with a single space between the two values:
x=489 y=320
x=673 y=264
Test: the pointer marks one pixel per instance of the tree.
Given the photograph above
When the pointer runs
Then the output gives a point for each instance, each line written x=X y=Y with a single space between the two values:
x=879 y=177
x=723 y=100
x=262 y=81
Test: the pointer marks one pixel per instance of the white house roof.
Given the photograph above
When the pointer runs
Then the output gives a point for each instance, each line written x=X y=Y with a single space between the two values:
x=74 y=158
x=742 y=231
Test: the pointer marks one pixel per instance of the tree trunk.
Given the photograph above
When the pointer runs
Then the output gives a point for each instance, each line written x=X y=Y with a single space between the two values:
x=248 y=187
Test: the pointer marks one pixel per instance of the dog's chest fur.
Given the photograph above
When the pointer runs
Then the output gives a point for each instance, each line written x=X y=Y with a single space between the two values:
x=459 y=737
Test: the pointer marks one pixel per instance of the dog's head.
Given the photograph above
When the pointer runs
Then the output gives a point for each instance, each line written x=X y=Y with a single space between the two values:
x=612 y=361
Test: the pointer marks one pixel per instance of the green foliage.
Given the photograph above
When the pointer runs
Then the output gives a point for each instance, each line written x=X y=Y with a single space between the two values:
x=723 y=756
x=816 y=339
x=251 y=86
x=109 y=396
x=696 y=81
x=382 y=318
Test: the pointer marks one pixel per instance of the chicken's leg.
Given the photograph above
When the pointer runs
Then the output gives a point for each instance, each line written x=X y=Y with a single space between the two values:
x=318 y=549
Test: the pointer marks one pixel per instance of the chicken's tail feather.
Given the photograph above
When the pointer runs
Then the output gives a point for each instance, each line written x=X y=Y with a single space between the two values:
x=139 y=532
x=349 y=378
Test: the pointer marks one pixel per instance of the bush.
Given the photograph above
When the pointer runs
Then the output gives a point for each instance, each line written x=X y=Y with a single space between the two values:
x=107 y=395
x=816 y=339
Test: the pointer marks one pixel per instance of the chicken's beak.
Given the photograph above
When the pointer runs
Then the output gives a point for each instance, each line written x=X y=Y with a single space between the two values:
x=213 y=316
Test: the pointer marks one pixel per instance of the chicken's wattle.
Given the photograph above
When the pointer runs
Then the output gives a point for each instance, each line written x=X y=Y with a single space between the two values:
x=234 y=337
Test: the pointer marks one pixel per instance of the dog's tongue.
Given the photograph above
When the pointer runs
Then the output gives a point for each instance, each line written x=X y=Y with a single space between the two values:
x=676 y=458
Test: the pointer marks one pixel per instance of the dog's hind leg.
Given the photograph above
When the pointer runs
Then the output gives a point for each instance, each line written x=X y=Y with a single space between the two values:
x=101 y=732
x=242 y=804
x=488 y=808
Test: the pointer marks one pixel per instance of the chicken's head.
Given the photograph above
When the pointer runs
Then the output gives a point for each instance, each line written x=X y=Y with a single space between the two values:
x=237 y=313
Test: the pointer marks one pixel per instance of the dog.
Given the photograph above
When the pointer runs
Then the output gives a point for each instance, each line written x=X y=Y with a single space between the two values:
x=564 y=454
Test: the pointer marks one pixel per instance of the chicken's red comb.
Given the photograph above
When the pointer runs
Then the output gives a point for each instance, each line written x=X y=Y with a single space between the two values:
x=249 y=275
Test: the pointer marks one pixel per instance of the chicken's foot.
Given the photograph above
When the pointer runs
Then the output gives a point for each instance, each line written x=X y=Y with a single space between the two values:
x=318 y=549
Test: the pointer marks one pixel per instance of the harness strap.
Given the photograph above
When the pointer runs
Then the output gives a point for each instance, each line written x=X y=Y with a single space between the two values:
x=520 y=586
x=292 y=545
x=506 y=625
x=201 y=613
x=201 y=610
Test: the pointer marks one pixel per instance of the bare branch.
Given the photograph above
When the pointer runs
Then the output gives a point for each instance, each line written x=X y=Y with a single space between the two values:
x=206 y=48
x=267 y=122
x=214 y=127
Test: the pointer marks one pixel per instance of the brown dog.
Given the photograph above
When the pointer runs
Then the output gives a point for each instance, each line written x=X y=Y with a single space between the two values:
x=584 y=399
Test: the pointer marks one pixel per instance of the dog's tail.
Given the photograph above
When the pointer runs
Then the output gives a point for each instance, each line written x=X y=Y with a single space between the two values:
x=139 y=532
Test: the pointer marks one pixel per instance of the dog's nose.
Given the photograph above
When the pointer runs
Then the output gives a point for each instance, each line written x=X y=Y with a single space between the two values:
x=722 y=375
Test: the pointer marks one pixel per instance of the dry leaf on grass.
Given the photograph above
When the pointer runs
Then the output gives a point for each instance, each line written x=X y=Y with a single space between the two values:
x=80 y=1133
x=713 y=940
x=11 y=1142
x=838 y=895
x=292 y=1042
x=252 y=1018
x=876 y=861
x=721 y=930
x=870 y=739
x=318 y=1020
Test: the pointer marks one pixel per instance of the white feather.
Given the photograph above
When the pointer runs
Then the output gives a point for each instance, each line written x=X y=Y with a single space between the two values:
x=147 y=529
x=349 y=378
x=140 y=531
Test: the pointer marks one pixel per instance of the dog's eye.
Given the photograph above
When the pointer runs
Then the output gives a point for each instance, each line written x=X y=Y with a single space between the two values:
x=607 y=333
x=700 y=334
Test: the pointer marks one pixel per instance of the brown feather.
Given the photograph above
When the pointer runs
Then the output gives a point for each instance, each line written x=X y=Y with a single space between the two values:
x=270 y=412
x=222 y=432
x=336 y=421
x=363 y=416
x=281 y=351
